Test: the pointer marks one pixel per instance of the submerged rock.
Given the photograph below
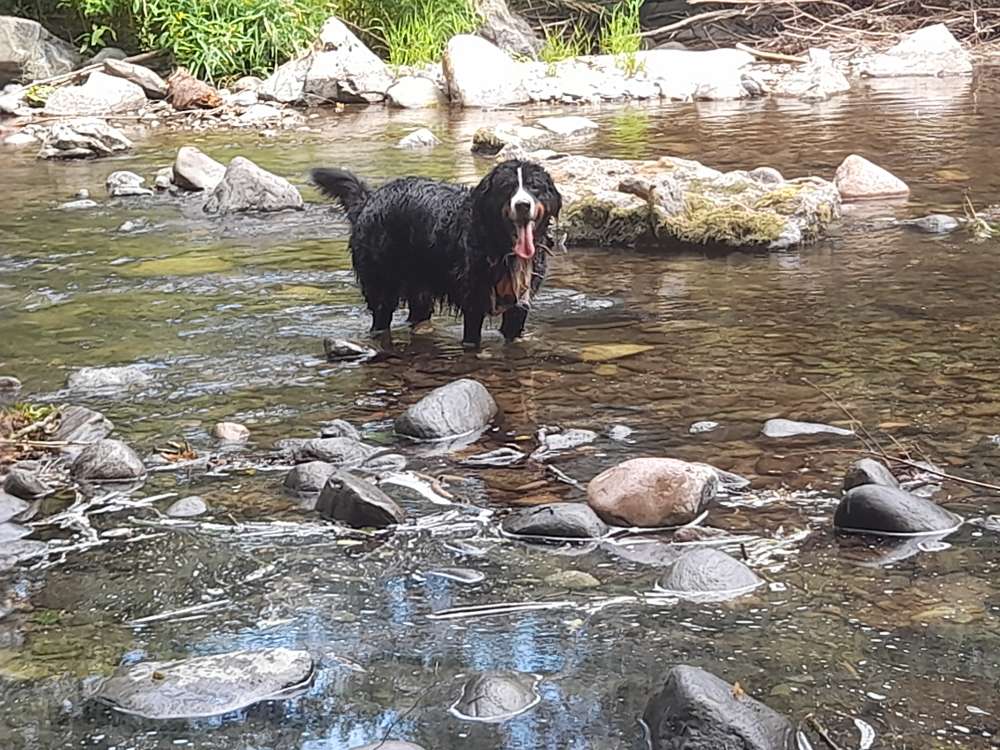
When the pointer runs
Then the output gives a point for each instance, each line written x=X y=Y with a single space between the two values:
x=459 y=408
x=309 y=478
x=709 y=571
x=207 y=685
x=94 y=378
x=82 y=138
x=869 y=471
x=8 y=383
x=29 y=52
x=421 y=138
x=231 y=432
x=247 y=187
x=696 y=710
x=195 y=170
x=652 y=492
x=567 y=125
x=357 y=503
x=930 y=51
x=669 y=201
x=80 y=204
x=101 y=95
x=21 y=550
x=124 y=184
x=556 y=520
x=786 y=428
x=416 y=92
x=935 y=224
x=859 y=179
x=573 y=580
x=496 y=696
x=187 y=507
x=875 y=508
x=339 y=350
x=559 y=441
x=108 y=461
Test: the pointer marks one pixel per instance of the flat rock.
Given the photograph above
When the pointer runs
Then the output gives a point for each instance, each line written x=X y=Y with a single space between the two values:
x=100 y=95
x=82 y=138
x=357 y=503
x=342 y=452
x=195 y=170
x=709 y=571
x=480 y=74
x=930 y=51
x=872 y=508
x=187 y=507
x=25 y=484
x=29 y=52
x=247 y=187
x=342 y=350
x=416 y=92
x=123 y=184
x=309 y=478
x=696 y=710
x=11 y=507
x=231 y=432
x=508 y=138
x=81 y=204
x=496 y=696
x=96 y=378
x=207 y=685
x=869 y=471
x=151 y=84
x=652 y=492
x=12 y=532
x=108 y=461
x=860 y=179
x=556 y=520
x=671 y=201
x=786 y=428
x=420 y=138
x=22 y=550
x=459 y=408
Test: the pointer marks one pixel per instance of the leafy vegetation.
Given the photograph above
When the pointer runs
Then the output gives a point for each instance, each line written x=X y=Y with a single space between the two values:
x=620 y=35
x=419 y=30
x=564 y=43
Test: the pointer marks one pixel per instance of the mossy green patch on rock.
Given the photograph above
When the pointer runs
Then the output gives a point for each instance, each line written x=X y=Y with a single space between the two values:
x=705 y=222
x=606 y=218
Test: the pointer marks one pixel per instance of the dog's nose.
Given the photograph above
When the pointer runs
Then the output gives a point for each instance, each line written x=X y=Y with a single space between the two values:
x=523 y=210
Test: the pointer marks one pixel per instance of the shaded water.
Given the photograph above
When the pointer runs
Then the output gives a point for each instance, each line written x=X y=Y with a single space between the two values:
x=228 y=318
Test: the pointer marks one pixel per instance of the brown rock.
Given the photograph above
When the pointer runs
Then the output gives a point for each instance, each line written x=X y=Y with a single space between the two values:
x=184 y=92
x=652 y=492
x=859 y=179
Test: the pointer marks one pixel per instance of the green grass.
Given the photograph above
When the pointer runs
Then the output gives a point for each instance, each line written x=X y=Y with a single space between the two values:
x=564 y=43
x=420 y=30
x=620 y=35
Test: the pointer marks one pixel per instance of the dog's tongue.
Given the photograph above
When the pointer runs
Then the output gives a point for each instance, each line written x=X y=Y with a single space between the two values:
x=524 y=246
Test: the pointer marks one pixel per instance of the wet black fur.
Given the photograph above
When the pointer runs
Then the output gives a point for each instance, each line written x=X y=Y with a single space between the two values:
x=437 y=244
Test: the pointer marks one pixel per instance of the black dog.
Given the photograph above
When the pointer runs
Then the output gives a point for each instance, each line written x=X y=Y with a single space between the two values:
x=434 y=243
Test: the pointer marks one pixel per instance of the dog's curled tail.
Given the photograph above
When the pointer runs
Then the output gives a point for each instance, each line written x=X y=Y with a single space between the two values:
x=344 y=186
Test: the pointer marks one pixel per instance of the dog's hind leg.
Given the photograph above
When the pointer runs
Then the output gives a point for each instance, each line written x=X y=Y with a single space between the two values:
x=382 y=306
x=472 y=334
x=421 y=306
x=513 y=323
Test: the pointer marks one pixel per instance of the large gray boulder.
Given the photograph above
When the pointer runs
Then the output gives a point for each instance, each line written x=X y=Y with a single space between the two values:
x=672 y=202
x=309 y=478
x=247 y=187
x=416 y=92
x=874 y=508
x=206 y=685
x=108 y=461
x=100 y=95
x=706 y=573
x=28 y=52
x=696 y=710
x=652 y=492
x=507 y=30
x=930 y=51
x=556 y=521
x=195 y=170
x=342 y=452
x=287 y=84
x=480 y=74
x=454 y=410
x=82 y=138
x=358 y=503
x=152 y=85
x=80 y=425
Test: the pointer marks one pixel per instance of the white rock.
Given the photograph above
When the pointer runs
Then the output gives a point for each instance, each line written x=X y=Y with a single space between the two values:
x=286 y=84
x=479 y=74
x=153 y=86
x=29 y=52
x=817 y=80
x=260 y=113
x=194 y=170
x=20 y=139
x=10 y=104
x=930 y=51
x=231 y=432
x=416 y=92
x=247 y=187
x=82 y=138
x=100 y=95
x=343 y=69
x=422 y=138
x=859 y=179
x=124 y=184
x=569 y=125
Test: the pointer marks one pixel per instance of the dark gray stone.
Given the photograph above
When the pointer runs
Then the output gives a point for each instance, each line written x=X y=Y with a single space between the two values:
x=309 y=478
x=561 y=520
x=869 y=471
x=188 y=507
x=709 y=571
x=936 y=224
x=339 y=428
x=496 y=696
x=78 y=424
x=357 y=503
x=785 y=428
x=874 y=508
x=108 y=461
x=696 y=710
x=459 y=408
x=342 y=452
x=206 y=685
x=25 y=484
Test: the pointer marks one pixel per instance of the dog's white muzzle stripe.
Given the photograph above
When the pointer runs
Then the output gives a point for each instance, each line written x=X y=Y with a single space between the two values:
x=522 y=196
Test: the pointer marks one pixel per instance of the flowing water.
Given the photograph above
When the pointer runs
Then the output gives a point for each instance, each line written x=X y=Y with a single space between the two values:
x=228 y=318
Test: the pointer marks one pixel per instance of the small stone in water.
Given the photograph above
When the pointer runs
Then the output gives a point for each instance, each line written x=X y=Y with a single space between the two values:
x=187 y=507
x=936 y=224
x=9 y=383
x=231 y=432
x=700 y=427
x=574 y=580
x=78 y=205
x=783 y=428
x=342 y=349
x=134 y=226
x=619 y=432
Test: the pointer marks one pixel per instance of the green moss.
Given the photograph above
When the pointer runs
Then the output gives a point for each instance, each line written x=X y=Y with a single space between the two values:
x=704 y=222
x=713 y=187
x=785 y=199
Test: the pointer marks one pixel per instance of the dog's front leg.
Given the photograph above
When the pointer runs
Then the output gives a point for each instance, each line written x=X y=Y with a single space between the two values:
x=473 y=327
x=513 y=322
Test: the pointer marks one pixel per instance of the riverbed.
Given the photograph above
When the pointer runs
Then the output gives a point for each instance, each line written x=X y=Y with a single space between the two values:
x=228 y=317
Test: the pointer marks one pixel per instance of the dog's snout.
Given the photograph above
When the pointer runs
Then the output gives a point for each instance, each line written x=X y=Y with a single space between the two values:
x=523 y=209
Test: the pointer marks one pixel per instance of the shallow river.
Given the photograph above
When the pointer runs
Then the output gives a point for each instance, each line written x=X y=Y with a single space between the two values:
x=228 y=319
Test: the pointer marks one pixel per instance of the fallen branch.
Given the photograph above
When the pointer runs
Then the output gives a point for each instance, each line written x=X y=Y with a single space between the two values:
x=821 y=731
x=711 y=15
x=773 y=56
x=73 y=75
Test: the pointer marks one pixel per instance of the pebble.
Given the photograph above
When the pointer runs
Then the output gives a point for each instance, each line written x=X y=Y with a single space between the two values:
x=231 y=432
x=574 y=580
x=187 y=507
x=699 y=427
